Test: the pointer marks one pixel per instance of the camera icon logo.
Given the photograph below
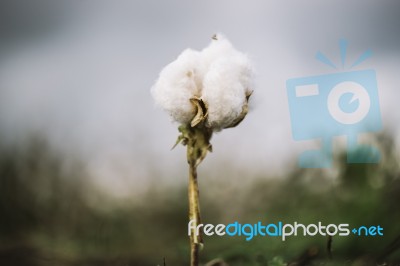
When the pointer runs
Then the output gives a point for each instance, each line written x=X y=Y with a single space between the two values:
x=338 y=104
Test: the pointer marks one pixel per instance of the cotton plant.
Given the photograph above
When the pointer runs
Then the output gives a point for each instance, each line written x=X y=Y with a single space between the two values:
x=205 y=92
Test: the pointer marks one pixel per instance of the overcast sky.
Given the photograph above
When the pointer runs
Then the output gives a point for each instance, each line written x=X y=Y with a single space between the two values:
x=80 y=72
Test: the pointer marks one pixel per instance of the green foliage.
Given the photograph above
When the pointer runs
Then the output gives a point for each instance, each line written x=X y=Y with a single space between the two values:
x=48 y=216
x=276 y=261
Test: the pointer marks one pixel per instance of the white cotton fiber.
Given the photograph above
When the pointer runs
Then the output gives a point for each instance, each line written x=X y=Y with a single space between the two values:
x=219 y=75
x=225 y=88
x=219 y=47
x=177 y=83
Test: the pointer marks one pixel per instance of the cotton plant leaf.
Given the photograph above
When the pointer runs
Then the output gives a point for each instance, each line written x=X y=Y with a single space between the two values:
x=179 y=140
x=199 y=145
x=198 y=141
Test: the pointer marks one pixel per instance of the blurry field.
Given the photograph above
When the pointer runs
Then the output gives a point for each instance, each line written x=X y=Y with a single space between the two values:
x=50 y=214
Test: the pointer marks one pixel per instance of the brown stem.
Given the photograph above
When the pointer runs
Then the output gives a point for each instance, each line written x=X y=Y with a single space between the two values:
x=329 y=246
x=197 y=140
x=194 y=215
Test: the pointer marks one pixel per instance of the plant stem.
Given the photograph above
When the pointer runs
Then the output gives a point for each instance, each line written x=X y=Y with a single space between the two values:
x=194 y=214
x=197 y=140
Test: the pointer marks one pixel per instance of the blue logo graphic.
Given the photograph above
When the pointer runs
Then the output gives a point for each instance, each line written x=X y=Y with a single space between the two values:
x=338 y=104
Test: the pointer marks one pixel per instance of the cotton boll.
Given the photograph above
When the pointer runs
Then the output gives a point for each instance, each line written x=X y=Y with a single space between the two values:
x=178 y=82
x=225 y=87
x=208 y=88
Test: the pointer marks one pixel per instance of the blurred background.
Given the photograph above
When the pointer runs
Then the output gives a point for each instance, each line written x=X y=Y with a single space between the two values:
x=87 y=176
